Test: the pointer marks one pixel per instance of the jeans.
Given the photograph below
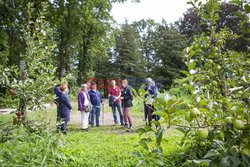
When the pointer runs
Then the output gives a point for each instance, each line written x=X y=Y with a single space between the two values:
x=118 y=105
x=95 y=113
x=89 y=118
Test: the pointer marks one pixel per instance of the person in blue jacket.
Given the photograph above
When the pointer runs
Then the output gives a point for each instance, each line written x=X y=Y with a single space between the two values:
x=96 y=100
x=151 y=93
x=57 y=91
x=64 y=108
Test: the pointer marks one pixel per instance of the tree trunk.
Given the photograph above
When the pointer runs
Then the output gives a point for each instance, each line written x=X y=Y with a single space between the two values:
x=83 y=64
x=65 y=35
x=22 y=104
x=62 y=57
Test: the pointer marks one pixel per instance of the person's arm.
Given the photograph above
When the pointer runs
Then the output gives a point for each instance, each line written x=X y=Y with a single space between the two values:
x=153 y=91
x=117 y=97
x=130 y=94
x=100 y=96
x=147 y=91
x=109 y=94
x=90 y=97
x=80 y=103
x=67 y=102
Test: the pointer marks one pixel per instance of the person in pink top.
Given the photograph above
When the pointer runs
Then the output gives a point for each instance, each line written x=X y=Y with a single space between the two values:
x=115 y=101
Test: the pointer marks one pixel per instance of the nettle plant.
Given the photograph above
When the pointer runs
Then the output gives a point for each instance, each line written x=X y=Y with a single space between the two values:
x=36 y=72
x=216 y=124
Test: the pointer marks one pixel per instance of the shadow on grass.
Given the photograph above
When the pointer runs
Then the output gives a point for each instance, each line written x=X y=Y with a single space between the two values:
x=106 y=129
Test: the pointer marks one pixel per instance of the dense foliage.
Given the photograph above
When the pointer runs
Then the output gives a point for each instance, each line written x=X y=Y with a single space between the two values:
x=42 y=42
x=216 y=127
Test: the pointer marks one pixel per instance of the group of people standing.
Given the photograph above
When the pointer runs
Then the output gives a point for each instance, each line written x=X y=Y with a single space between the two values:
x=90 y=100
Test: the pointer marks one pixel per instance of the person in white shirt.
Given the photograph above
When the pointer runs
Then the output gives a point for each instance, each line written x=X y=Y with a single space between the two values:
x=83 y=105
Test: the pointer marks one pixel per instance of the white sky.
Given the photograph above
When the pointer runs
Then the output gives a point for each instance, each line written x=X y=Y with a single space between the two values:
x=170 y=10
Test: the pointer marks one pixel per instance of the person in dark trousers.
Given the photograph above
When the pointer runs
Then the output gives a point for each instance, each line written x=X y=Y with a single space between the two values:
x=127 y=98
x=64 y=108
x=57 y=91
x=88 y=88
x=151 y=93
x=96 y=100
x=115 y=94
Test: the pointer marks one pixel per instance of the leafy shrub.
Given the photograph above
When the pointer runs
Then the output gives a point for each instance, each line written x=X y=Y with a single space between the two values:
x=216 y=130
x=31 y=145
x=8 y=101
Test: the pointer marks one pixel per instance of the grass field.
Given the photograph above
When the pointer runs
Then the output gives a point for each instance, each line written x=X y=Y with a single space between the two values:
x=107 y=145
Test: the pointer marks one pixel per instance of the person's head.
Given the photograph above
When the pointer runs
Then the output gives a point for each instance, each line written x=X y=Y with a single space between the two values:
x=124 y=83
x=84 y=87
x=113 y=83
x=63 y=87
x=88 y=84
x=149 y=82
x=93 y=86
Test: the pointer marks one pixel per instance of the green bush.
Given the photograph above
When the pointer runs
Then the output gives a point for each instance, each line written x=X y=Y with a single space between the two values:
x=8 y=101
x=31 y=145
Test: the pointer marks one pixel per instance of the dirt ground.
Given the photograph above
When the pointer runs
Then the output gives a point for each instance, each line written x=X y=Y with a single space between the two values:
x=106 y=117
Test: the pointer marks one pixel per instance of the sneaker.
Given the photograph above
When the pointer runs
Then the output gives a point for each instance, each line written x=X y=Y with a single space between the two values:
x=116 y=123
x=122 y=124
x=86 y=130
x=126 y=126
x=130 y=126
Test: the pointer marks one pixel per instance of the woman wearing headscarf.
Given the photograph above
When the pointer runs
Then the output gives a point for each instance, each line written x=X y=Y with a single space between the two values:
x=151 y=93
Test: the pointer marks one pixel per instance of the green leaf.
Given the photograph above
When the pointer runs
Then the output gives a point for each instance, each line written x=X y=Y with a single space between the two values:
x=142 y=92
x=141 y=131
x=161 y=102
x=211 y=153
x=161 y=113
x=247 y=8
x=144 y=145
x=191 y=65
x=182 y=130
x=158 y=135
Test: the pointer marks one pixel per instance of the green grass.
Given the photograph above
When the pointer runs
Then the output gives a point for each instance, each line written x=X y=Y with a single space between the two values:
x=6 y=119
x=101 y=146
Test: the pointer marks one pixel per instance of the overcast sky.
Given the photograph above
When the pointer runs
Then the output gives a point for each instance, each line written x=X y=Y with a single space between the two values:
x=170 y=10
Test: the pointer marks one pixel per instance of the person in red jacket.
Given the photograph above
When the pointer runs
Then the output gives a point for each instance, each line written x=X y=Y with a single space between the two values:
x=115 y=92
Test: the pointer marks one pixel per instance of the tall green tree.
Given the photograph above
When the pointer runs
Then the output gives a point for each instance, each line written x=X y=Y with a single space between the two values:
x=168 y=48
x=147 y=31
x=229 y=15
x=63 y=17
x=128 y=57
x=13 y=17
x=93 y=40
